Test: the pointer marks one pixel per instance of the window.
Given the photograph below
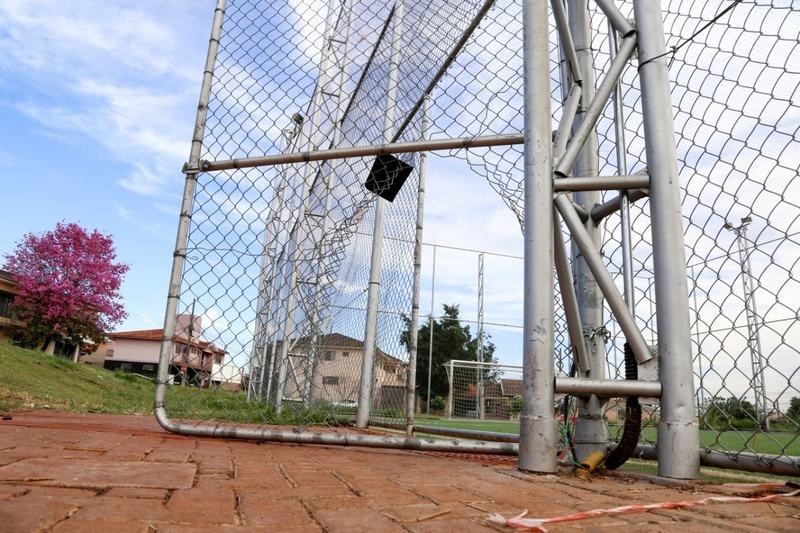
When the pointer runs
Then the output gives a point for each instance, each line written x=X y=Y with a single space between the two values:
x=345 y=354
x=6 y=303
x=126 y=367
x=330 y=380
x=328 y=356
x=148 y=368
x=109 y=353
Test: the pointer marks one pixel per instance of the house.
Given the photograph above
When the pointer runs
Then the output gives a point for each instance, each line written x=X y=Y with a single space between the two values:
x=8 y=291
x=194 y=360
x=10 y=325
x=336 y=377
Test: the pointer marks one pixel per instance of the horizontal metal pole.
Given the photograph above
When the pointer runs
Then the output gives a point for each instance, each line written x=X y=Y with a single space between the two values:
x=779 y=465
x=608 y=388
x=595 y=263
x=601 y=183
x=475 y=434
x=601 y=211
x=363 y=151
x=615 y=17
x=341 y=439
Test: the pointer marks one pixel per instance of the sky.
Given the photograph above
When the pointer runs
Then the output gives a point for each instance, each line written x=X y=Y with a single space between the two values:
x=97 y=101
x=97 y=106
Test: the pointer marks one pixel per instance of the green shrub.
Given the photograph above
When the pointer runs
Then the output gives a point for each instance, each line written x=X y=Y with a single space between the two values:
x=438 y=403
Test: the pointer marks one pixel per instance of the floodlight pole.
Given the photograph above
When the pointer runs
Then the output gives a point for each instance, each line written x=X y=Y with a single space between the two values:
x=678 y=434
x=751 y=312
x=374 y=289
x=298 y=235
x=537 y=428
x=330 y=183
x=590 y=428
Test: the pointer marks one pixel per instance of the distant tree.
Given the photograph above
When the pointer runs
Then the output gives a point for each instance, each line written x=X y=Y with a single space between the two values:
x=68 y=285
x=721 y=413
x=451 y=340
x=794 y=409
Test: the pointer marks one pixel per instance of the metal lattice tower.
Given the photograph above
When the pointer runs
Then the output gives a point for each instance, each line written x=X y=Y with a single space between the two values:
x=753 y=322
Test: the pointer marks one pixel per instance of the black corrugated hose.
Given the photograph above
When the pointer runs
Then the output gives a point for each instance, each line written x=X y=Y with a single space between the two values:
x=633 y=419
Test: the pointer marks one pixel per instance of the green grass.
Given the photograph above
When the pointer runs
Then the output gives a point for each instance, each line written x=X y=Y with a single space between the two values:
x=30 y=379
x=774 y=442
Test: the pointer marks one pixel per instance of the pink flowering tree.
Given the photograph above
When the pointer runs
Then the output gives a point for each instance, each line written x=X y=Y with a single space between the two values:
x=68 y=285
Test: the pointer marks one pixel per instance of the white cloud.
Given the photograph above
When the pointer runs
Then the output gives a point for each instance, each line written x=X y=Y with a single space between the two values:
x=116 y=73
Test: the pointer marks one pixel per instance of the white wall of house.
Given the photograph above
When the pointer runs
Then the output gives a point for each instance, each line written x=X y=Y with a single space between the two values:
x=229 y=373
x=134 y=351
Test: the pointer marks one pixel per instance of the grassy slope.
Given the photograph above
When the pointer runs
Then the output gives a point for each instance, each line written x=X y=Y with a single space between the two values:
x=31 y=379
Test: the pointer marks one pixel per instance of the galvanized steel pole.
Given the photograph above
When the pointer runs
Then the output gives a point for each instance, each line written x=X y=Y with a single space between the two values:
x=537 y=428
x=374 y=290
x=413 y=329
x=430 y=334
x=590 y=428
x=182 y=237
x=678 y=435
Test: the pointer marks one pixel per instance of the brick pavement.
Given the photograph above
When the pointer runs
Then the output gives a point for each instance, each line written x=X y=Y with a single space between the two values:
x=84 y=472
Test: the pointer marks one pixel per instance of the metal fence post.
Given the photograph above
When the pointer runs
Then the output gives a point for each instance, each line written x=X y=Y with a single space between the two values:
x=678 y=434
x=537 y=428
x=413 y=329
x=179 y=257
x=374 y=290
x=590 y=428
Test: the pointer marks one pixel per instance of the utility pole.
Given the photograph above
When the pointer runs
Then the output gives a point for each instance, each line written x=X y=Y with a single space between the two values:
x=751 y=312
x=187 y=353
x=430 y=332
x=480 y=392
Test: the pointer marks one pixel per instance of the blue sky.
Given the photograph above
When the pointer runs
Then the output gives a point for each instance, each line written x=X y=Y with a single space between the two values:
x=97 y=105
x=97 y=101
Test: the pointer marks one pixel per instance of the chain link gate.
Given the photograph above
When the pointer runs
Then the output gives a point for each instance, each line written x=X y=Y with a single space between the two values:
x=276 y=245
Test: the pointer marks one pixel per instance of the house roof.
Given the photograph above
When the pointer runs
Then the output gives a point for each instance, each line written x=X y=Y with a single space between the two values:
x=158 y=335
x=511 y=387
x=8 y=282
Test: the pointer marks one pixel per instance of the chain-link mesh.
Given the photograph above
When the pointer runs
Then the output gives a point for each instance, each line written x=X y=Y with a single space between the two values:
x=278 y=257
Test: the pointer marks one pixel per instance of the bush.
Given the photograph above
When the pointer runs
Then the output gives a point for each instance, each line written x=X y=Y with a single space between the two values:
x=438 y=403
x=744 y=423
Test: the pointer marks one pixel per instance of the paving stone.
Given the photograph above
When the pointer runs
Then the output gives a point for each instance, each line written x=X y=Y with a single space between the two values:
x=134 y=510
x=79 y=525
x=40 y=510
x=99 y=473
x=136 y=492
x=444 y=525
x=261 y=512
x=134 y=449
x=204 y=506
x=355 y=520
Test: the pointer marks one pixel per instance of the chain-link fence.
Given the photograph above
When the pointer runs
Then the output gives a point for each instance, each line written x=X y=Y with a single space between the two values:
x=308 y=313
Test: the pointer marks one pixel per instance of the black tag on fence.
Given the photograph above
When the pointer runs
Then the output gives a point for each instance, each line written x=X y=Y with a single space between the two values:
x=387 y=176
